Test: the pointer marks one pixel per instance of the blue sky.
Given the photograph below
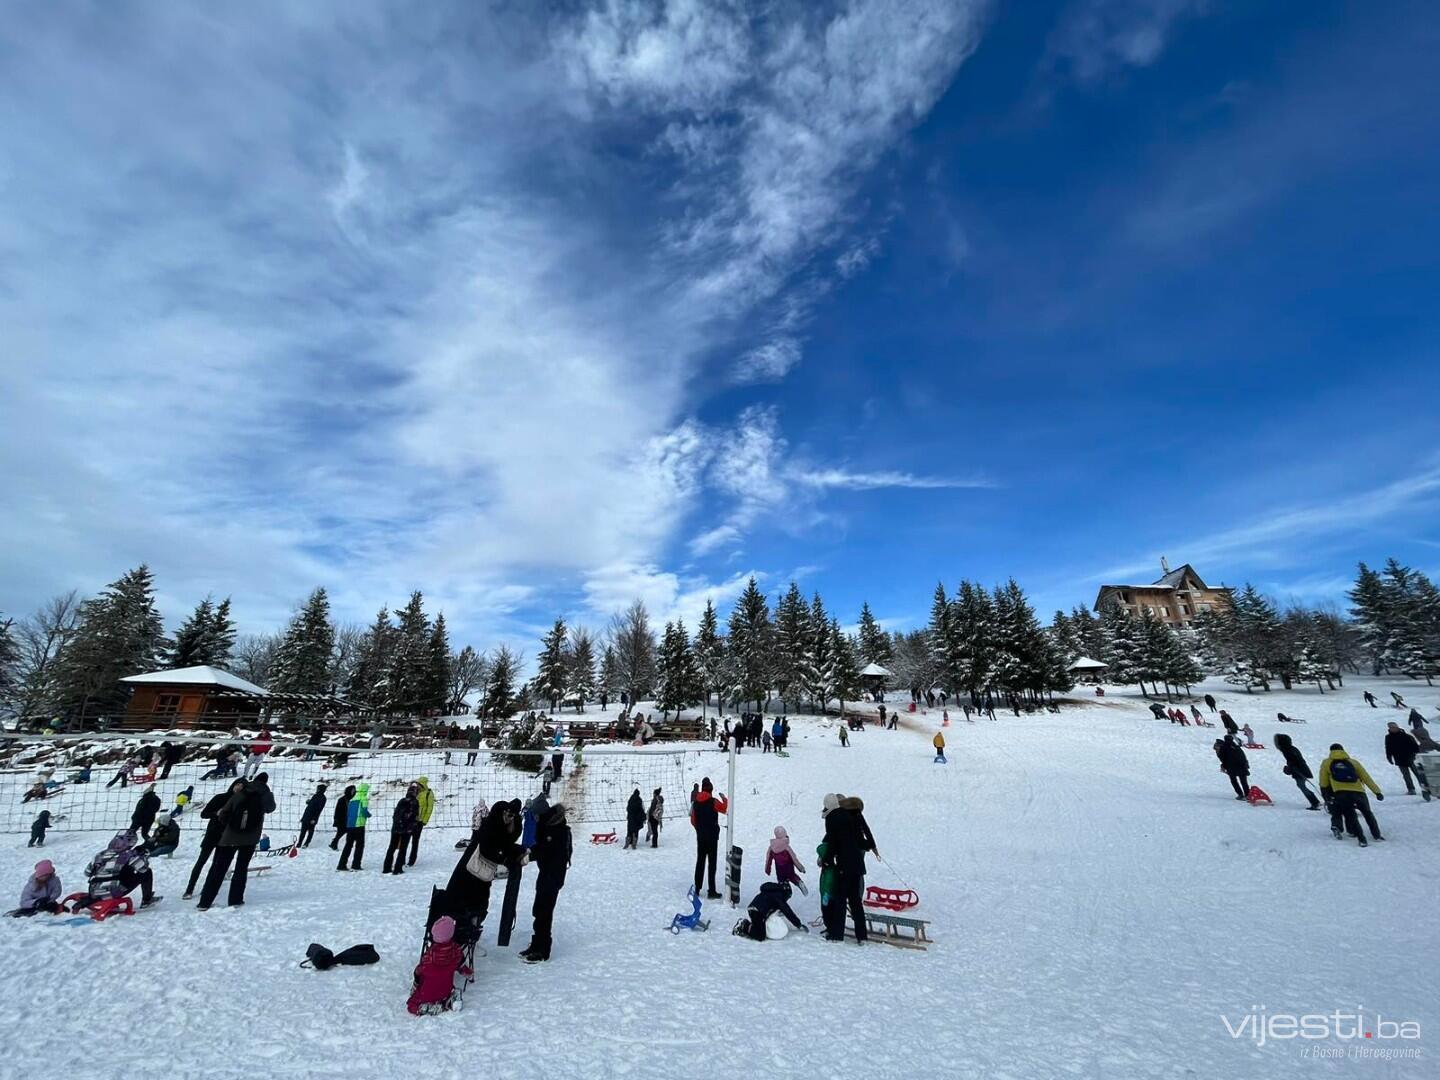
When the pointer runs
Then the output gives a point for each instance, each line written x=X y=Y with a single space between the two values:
x=541 y=310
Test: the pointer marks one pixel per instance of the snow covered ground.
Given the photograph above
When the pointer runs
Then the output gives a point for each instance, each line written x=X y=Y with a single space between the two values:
x=1100 y=902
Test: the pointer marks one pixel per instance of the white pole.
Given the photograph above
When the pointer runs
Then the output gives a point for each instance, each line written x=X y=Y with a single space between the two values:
x=730 y=825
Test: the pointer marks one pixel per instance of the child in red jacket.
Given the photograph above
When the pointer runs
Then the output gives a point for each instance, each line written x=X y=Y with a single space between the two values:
x=435 y=974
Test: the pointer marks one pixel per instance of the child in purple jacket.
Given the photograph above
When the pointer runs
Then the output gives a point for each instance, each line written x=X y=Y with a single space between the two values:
x=787 y=867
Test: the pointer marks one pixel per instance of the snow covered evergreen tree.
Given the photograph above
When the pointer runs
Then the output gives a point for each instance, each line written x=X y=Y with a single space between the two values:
x=500 y=698
x=120 y=633
x=874 y=645
x=1123 y=646
x=1370 y=606
x=975 y=634
x=793 y=643
x=437 y=683
x=678 y=683
x=751 y=641
x=302 y=662
x=552 y=678
x=710 y=658
x=581 y=674
x=370 y=680
x=188 y=645
x=845 y=667
x=9 y=665
x=820 y=659
x=946 y=651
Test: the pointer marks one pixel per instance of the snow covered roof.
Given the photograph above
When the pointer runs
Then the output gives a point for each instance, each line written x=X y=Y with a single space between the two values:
x=1084 y=663
x=874 y=669
x=204 y=675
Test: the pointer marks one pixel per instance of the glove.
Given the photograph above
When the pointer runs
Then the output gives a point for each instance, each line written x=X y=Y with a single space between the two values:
x=1379 y=796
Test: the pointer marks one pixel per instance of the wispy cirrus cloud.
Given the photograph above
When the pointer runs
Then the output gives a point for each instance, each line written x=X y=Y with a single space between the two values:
x=871 y=481
x=1096 y=39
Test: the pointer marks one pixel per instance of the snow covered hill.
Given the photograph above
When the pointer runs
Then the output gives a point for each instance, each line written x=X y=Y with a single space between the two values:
x=1101 y=906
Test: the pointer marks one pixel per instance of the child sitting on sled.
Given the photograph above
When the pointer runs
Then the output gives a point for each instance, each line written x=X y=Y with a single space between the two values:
x=435 y=974
x=787 y=867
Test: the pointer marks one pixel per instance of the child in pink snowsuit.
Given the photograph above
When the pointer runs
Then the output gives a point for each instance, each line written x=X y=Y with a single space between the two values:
x=787 y=867
x=435 y=974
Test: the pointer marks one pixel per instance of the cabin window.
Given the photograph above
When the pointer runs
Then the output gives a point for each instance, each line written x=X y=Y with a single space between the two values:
x=167 y=704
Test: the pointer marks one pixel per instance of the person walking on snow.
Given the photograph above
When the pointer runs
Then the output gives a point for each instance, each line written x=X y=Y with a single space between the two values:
x=1296 y=768
x=1231 y=728
x=258 y=750
x=786 y=863
x=1417 y=722
x=1401 y=750
x=1343 y=781
x=1196 y=715
x=551 y=855
x=357 y=813
x=849 y=837
x=38 y=828
x=425 y=799
x=1210 y=702
x=402 y=823
x=314 y=807
x=1370 y=700
x=634 y=819
x=844 y=735
x=705 y=813
x=655 y=818
x=1235 y=765
x=244 y=816
x=214 y=827
x=341 y=816
x=939 y=743
x=145 y=811
x=1399 y=701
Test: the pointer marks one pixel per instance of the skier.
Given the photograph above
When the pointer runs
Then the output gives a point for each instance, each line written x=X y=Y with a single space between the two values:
x=357 y=813
x=434 y=979
x=341 y=816
x=1296 y=768
x=705 y=811
x=167 y=836
x=634 y=818
x=1231 y=728
x=1210 y=702
x=1343 y=781
x=849 y=837
x=787 y=865
x=1370 y=700
x=773 y=898
x=1400 y=751
x=1235 y=765
x=939 y=743
x=42 y=891
x=314 y=807
x=655 y=818
x=244 y=816
x=37 y=829
x=258 y=750
x=116 y=870
x=491 y=846
x=426 y=800
x=214 y=827
x=145 y=811
x=402 y=824
x=552 y=854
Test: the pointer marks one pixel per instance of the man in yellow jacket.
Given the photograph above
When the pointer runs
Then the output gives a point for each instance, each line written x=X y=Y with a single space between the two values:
x=1343 y=781
x=426 y=798
x=939 y=743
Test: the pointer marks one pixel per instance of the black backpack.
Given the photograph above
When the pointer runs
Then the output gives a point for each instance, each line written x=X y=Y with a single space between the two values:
x=1342 y=770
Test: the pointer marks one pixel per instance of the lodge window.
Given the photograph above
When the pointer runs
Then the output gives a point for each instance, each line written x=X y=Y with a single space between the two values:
x=167 y=704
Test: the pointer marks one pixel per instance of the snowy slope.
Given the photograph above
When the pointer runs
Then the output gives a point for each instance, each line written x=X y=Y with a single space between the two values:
x=1099 y=901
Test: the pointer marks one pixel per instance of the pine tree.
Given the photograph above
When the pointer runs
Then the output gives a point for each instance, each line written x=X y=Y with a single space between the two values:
x=1370 y=607
x=792 y=646
x=499 y=700
x=750 y=645
x=845 y=669
x=875 y=647
x=609 y=675
x=976 y=639
x=188 y=647
x=819 y=669
x=678 y=683
x=9 y=665
x=408 y=679
x=1123 y=647
x=370 y=681
x=945 y=651
x=581 y=674
x=437 y=682
x=120 y=633
x=710 y=657
x=219 y=642
x=302 y=662
x=552 y=677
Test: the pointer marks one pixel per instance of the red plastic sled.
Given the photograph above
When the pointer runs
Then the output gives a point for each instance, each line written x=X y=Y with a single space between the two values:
x=1254 y=746
x=100 y=910
x=603 y=837
x=893 y=899
x=1258 y=796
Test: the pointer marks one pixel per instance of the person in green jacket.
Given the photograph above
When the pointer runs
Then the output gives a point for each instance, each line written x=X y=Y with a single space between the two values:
x=356 y=815
x=426 y=798
x=1343 y=781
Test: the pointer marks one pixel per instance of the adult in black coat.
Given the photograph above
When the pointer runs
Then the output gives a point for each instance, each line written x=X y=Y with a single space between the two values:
x=1231 y=728
x=342 y=809
x=1296 y=768
x=495 y=842
x=214 y=826
x=847 y=838
x=1236 y=765
x=705 y=810
x=244 y=816
x=1400 y=751
x=634 y=818
x=314 y=807
x=551 y=854
x=145 y=811
x=170 y=755
x=404 y=823
x=1210 y=702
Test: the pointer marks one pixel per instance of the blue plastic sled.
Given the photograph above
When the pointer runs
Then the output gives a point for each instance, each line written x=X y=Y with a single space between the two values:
x=691 y=921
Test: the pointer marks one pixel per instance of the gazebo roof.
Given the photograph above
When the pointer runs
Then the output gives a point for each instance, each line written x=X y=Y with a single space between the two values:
x=875 y=670
x=1084 y=663
x=203 y=675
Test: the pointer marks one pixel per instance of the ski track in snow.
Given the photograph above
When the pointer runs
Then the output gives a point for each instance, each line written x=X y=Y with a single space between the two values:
x=1098 y=900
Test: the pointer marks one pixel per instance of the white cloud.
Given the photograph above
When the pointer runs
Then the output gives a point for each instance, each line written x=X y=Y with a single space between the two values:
x=667 y=595
x=769 y=361
x=869 y=481
x=1097 y=38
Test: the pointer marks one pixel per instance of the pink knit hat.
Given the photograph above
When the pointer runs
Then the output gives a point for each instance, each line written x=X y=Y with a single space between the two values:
x=44 y=868
x=443 y=931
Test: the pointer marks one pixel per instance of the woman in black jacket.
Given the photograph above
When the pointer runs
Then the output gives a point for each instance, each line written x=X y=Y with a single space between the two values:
x=1236 y=766
x=655 y=817
x=342 y=810
x=314 y=807
x=244 y=816
x=491 y=846
x=847 y=838
x=634 y=819
x=214 y=826
x=402 y=825
x=1296 y=768
x=551 y=854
